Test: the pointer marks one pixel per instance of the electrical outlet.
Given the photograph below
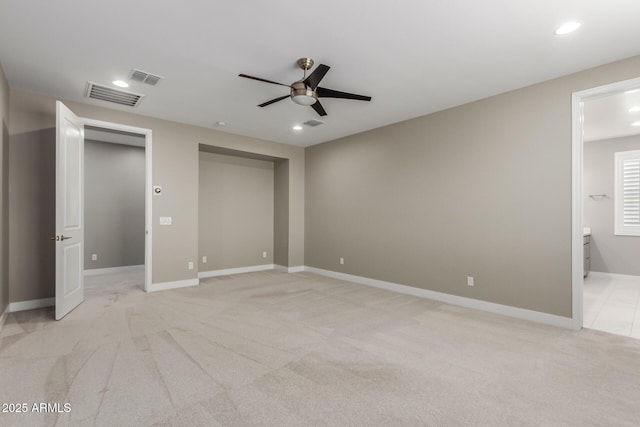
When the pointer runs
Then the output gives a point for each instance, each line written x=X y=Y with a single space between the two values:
x=341 y=261
x=204 y=259
x=264 y=254
x=190 y=265
x=470 y=281
x=94 y=257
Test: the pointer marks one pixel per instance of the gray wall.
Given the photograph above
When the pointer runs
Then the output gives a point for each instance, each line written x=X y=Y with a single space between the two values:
x=609 y=253
x=479 y=190
x=175 y=156
x=281 y=213
x=4 y=185
x=32 y=204
x=236 y=212
x=114 y=205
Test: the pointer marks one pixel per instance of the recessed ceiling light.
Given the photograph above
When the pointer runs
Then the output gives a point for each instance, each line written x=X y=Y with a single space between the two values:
x=220 y=123
x=567 y=28
x=297 y=127
x=634 y=109
x=120 y=83
x=635 y=124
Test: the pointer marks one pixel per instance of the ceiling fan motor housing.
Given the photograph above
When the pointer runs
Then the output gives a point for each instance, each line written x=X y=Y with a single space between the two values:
x=302 y=94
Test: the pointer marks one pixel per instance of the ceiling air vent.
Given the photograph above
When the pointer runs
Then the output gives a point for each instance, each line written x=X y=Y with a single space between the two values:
x=117 y=96
x=313 y=123
x=144 y=77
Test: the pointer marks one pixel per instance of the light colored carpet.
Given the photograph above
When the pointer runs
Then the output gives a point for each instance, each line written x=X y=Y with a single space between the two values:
x=276 y=349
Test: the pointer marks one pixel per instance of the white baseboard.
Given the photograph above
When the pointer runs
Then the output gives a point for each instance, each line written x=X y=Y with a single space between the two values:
x=31 y=304
x=520 y=313
x=239 y=270
x=297 y=269
x=112 y=270
x=173 y=285
x=600 y=275
x=3 y=318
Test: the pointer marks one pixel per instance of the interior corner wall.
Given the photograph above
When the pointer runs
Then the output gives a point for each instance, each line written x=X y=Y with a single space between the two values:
x=281 y=213
x=175 y=157
x=609 y=253
x=236 y=213
x=114 y=205
x=482 y=190
x=4 y=199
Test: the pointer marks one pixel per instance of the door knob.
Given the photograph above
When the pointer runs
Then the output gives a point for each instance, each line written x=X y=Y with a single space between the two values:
x=63 y=237
x=56 y=238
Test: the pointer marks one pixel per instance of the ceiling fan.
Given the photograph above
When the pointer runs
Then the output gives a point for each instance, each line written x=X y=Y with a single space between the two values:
x=306 y=91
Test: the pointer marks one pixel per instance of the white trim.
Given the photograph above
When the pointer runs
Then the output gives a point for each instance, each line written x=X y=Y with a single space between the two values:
x=577 y=232
x=239 y=270
x=31 y=304
x=173 y=285
x=505 y=310
x=4 y=316
x=297 y=269
x=148 y=258
x=148 y=203
x=113 y=270
x=601 y=275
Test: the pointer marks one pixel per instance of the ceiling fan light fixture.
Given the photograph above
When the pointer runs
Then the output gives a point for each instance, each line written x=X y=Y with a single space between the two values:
x=303 y=95
x=305 y=100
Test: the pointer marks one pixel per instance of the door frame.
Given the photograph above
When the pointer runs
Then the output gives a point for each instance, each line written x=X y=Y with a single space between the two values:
x=148 y=202
x=577 y=225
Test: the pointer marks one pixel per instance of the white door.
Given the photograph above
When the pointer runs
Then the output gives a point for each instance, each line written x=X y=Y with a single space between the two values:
x=69 y=238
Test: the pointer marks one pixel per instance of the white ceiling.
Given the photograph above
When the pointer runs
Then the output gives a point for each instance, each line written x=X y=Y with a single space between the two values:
x=609 y=116
x=413 y=57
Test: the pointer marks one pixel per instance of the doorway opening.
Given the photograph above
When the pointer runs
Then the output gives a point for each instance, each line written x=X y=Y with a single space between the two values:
x=583 y=246
x=114 y=210
x=131 y=136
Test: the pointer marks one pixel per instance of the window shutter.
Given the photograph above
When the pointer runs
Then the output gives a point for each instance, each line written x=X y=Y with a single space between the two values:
x=628 y=193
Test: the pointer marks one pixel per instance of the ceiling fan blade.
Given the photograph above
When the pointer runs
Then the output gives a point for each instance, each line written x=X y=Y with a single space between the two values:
x=262 y=80
x=273 y=101
x=313 y=80
x=318 y=107
x=330 y=93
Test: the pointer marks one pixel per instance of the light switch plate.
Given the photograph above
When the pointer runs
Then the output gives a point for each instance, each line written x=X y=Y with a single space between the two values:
x=165 y=220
